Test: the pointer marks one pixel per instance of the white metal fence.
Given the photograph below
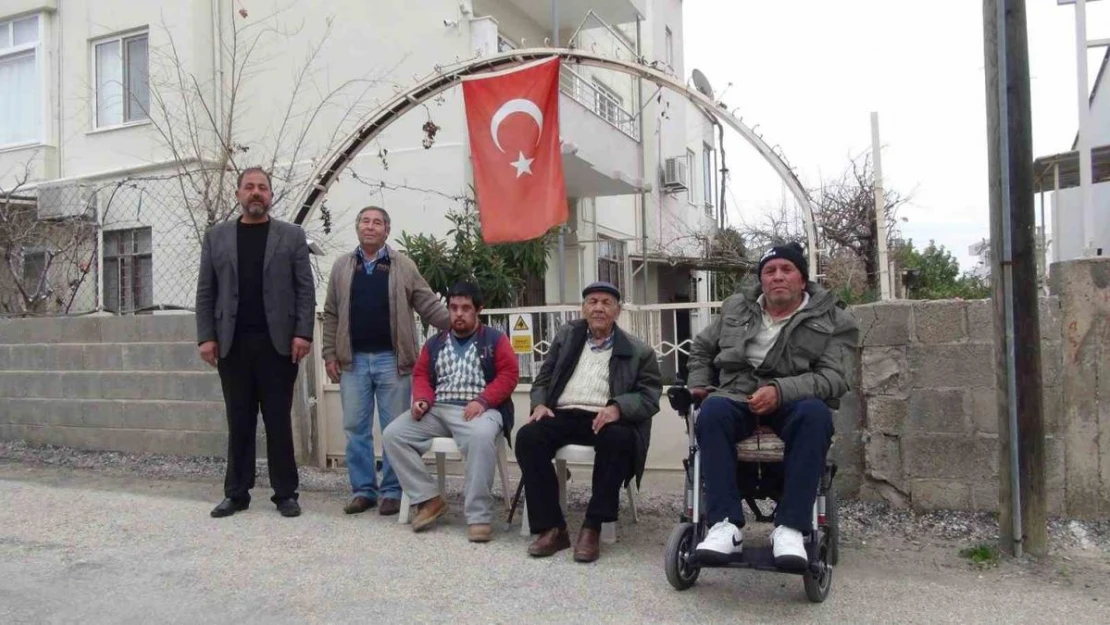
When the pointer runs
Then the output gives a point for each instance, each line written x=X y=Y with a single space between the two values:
x=668 y=328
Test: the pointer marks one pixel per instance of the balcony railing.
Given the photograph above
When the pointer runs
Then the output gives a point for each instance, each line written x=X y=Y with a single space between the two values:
x=603 y=104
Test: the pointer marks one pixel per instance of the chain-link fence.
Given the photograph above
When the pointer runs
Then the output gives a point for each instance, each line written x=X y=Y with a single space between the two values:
x=123 y=246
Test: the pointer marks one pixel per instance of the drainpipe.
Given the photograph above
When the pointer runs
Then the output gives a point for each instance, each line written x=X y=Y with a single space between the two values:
x=217 y=62
x=58 y=105
x=643 y=194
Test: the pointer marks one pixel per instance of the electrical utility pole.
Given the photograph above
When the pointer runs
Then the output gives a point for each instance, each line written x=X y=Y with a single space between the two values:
x=1021 y=489
x=880 y=209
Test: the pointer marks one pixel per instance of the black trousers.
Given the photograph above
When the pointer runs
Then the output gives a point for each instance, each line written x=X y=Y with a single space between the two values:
x=254 y=376
x=536 y=444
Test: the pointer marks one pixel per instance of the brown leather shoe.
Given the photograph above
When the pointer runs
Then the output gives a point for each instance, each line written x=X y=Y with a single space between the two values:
x=588 y=547
x=480 y=533
x=358 y=504
x=549 y=543
x=389 y=506
x=427 y=513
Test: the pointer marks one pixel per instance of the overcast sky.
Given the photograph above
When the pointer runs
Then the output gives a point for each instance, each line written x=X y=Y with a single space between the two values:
x=810 y=72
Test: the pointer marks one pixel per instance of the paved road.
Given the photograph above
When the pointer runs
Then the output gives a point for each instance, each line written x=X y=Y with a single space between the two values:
x=80 y=547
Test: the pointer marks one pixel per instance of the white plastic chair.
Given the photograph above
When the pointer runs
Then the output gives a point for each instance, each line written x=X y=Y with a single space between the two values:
x=582 y=454
x=441 y=446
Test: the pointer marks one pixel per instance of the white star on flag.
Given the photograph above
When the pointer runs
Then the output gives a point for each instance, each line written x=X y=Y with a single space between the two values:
x=522 y=165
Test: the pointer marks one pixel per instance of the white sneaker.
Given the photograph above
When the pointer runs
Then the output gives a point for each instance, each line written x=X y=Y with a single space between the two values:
x=789 y=549
x=723 y=542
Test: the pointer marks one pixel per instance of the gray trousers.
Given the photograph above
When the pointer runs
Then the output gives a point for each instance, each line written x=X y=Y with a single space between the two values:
x=406 y=440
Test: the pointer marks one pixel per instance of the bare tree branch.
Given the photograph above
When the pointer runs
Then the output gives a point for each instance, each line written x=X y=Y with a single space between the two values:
x=42 y=266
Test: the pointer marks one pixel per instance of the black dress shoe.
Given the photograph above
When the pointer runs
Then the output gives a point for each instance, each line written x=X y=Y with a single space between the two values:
x=289 y=507
x=228 y=507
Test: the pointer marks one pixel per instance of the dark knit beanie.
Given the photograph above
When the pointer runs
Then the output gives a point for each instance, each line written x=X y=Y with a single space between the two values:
x=792 y=252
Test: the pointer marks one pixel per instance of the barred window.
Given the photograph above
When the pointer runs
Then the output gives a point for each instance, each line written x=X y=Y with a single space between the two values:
x=128 y=270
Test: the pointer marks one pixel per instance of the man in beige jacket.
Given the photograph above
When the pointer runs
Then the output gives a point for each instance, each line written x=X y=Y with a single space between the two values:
x=370 y=348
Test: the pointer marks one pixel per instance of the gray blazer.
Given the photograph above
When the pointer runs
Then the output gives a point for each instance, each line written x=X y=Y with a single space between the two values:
x=288 y=292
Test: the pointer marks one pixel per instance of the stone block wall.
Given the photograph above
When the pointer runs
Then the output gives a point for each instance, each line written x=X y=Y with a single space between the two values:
x=928 y=405
x=133 y=384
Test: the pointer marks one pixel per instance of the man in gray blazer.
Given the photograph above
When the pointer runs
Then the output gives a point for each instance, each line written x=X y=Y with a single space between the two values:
x=255 y=303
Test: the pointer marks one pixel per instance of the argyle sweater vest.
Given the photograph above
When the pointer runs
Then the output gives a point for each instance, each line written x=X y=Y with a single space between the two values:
x=459 y=375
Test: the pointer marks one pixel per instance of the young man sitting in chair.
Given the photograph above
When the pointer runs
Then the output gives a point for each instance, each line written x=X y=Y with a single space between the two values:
x=599 y=387
x=462 y=388
x=782 y=354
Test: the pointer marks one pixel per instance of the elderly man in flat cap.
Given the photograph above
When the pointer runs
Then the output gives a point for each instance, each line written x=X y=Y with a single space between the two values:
x=600 y=387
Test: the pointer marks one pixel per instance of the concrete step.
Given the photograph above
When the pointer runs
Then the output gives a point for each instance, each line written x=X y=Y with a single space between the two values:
x=201 y=416
x=139 y=441
x=164 y=357
x=176 y=327
x=174 y=386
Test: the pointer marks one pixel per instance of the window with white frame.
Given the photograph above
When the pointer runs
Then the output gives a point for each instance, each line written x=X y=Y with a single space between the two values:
x=611 y=258
x=20 y=81
x=122 y=68
x=709 y=182
x=128 y=270
x=607 y=103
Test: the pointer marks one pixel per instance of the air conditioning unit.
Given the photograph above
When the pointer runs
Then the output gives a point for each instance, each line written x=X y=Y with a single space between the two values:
x=674 y=175
x=67 y=199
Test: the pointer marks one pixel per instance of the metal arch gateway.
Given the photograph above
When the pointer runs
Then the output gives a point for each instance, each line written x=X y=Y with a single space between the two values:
x=444 y=78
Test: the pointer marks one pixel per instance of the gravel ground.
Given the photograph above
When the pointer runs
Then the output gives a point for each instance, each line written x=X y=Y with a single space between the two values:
x=96 y=537
x=860 y=521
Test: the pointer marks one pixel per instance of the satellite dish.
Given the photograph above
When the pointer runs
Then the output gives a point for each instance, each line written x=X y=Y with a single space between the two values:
x=702 y=84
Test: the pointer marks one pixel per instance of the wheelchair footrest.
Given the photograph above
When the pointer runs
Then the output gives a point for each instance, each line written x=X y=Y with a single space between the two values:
x=757 y=557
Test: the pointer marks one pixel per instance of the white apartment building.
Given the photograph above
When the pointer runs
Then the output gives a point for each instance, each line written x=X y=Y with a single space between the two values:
x=88 y=89
x=1056 y=182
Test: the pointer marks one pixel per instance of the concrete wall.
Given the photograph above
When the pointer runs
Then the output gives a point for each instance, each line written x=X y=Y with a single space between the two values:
x=1083 y=287
x=133 y=384
x=927 y=405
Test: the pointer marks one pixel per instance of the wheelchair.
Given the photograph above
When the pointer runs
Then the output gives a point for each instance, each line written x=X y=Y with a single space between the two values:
x=759 y=472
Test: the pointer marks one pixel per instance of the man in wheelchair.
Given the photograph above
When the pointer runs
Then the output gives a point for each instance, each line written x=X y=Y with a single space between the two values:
x=775 y=357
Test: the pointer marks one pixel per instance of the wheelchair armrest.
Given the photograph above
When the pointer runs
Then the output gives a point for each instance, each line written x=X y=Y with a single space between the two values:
x=680 y=399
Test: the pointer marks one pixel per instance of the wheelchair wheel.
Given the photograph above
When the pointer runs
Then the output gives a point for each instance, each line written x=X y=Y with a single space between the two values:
x=818 y=584
x=832 y=521
x=680 y=573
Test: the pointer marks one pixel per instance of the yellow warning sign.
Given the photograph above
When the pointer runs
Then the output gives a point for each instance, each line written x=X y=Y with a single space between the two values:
x=520 y=332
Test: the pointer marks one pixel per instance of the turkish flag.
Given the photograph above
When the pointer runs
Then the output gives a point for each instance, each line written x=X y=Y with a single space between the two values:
x=513 y=122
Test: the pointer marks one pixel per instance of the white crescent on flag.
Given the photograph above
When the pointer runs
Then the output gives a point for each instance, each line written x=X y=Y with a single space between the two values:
x=518 y=105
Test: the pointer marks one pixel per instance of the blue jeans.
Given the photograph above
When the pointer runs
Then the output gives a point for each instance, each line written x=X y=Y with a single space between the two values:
x=806 y=428
x=371 y=378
